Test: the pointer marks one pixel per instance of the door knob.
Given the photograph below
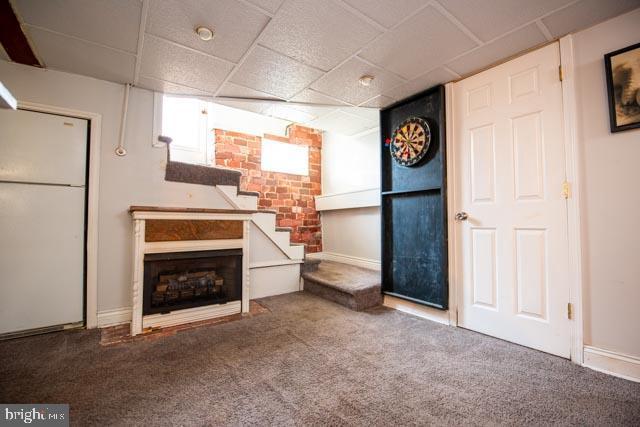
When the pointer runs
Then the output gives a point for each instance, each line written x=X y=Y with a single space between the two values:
x=461 y=216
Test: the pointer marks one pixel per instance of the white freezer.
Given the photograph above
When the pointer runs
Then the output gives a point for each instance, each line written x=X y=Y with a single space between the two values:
x=42 y=219
x=42 y=148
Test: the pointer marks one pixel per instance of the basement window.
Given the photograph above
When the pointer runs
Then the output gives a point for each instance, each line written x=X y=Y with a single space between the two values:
x=283 y=157
x=187 y=122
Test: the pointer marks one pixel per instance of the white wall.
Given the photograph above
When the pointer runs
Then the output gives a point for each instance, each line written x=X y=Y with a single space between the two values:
x=348 y=165
x=610 y=177
x=136 y=179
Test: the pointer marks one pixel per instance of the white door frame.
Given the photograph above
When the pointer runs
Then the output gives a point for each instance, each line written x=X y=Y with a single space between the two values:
x=95 y=130
x=572 y=156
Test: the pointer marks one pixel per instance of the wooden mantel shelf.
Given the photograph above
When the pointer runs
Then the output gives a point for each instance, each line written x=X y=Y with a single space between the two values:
x=133 y=209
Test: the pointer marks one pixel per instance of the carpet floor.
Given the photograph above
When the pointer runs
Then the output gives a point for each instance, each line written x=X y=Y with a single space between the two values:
x=311 y=362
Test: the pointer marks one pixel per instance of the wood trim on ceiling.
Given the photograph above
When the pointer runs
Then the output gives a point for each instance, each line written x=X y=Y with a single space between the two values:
x=13 y=39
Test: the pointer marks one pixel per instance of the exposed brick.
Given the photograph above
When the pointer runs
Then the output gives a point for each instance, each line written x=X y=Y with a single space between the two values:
x=291 y=196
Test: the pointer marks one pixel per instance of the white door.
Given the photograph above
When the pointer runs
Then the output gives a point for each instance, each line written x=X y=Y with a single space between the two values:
x=511 y=249
x=42 y=201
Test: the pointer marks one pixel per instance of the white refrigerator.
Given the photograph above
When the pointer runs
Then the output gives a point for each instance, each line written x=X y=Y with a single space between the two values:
x=43 y=160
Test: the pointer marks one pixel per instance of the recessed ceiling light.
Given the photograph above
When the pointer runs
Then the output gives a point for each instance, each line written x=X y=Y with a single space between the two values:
x=204 y=33
x=365 y=80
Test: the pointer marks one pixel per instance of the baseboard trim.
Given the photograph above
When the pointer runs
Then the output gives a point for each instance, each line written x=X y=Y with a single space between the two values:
x=609 y=362
x=371 y=264
x=419 y=310
x=113 y=317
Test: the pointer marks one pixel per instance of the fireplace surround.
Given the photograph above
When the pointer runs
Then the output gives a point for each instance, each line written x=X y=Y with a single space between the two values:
x=189 y=264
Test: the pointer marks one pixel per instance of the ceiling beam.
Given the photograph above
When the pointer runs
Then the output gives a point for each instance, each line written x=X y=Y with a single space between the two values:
x=12 y=37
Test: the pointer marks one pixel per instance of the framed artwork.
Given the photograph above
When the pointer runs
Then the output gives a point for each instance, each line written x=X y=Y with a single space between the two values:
x=622 y=68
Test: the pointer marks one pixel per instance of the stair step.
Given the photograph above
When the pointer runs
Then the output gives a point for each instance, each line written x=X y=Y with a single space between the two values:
x=354 y=287
x=289 y=229
x=310 y=265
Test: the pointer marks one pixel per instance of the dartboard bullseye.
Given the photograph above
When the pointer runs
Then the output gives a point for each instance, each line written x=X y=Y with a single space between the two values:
x=410 y=141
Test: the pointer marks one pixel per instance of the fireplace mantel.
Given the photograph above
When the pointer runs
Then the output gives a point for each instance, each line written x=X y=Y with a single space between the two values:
x=186 y=230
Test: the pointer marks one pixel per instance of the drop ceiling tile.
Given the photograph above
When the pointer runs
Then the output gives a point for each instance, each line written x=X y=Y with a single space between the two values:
x=420 y=83
x=342 y=82
x=585 y=14
x=287 y=113
x=380 y=101
x=91 y=20
x=315 y=111
x=318 y=33
x=498 y=50
x=420 y=44
x=236 y=26
x=314 y=97
x=270 y=72
x=490 y=19
x=268 y=5
x=340 y=122
x=253 y=106
x=385 y=14
x=76 y=56
x=370 y=115
x=233 y=90
x=165 y=61
x=167 y=87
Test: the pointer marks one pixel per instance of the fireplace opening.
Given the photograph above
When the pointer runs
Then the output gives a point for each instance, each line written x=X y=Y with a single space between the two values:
x=179 y=280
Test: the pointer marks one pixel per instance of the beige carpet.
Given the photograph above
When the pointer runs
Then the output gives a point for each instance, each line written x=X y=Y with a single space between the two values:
x=312 y=362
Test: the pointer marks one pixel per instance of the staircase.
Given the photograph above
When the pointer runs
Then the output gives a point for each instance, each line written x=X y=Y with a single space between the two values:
x=354 y=287
x=264 y=220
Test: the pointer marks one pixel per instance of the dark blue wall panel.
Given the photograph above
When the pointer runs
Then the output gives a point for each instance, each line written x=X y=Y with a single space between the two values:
x=414 y=228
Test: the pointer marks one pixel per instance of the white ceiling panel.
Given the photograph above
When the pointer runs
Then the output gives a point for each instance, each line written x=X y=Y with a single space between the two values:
x=425 y=81
x=387 y=13
x=341 y=122
x=314 y=97
x=233 y=90
x=285 y=112
x=380 y=101
x=342 y=82
x=318 y=33
x=270 y=6
x=421 y=43
x=490 y=19
x=166 y=87
x=236 y=26
x=370 y=115
x=166 y=61
x=253 y=106
x=270 y=72
x=76 y=56
x=586 y=13
x=502 y=48
x=113 y=23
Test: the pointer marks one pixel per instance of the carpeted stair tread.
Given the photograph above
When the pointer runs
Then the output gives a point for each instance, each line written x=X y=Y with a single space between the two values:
x=354 y=287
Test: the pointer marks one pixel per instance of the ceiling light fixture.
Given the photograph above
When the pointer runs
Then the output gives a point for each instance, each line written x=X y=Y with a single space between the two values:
x=365 y=80
x=204 y=33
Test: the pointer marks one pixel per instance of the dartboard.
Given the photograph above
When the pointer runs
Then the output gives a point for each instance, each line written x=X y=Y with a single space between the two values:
x=410 y=141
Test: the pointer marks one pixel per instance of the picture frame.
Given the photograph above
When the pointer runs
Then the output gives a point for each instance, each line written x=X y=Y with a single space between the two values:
x=622 y=68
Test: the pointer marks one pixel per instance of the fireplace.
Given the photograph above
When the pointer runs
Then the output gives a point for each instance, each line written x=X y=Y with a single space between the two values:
x=179 y=280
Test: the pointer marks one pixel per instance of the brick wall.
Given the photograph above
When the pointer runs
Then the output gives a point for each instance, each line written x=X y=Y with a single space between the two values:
x=291 y=196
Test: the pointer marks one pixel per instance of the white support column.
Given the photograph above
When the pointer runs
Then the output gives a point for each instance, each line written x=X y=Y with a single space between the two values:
x=245 y=266
x=138 y=271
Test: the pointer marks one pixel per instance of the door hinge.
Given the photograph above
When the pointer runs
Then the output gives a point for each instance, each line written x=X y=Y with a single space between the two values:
x=566 y=189
x=569 y=311
x=560 y=75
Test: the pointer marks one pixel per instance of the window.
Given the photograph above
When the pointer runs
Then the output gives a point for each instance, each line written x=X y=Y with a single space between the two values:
x=282 y=157
x=186 y=121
